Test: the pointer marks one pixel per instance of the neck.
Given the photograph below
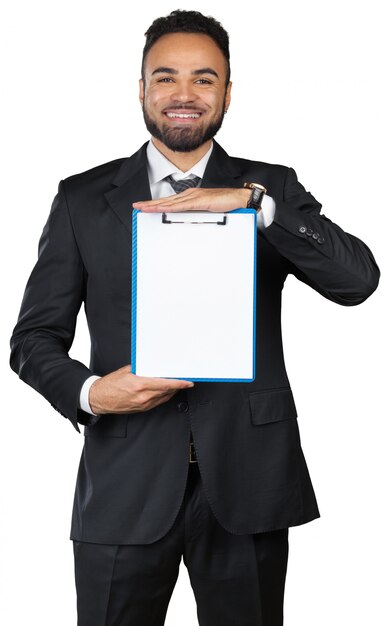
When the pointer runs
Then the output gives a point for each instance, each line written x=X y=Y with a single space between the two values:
x=183 y=160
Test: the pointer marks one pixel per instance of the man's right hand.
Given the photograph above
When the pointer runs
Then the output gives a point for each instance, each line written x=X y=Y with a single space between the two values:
x=124 y=392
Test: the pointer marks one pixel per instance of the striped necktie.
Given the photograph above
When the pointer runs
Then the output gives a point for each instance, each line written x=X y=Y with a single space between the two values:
x=181 y=185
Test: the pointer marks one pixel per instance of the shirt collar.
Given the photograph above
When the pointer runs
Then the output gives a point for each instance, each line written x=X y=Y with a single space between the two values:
x=159 y=167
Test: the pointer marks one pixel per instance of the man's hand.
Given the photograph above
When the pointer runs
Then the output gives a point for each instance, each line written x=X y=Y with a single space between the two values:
x=124 y=392
x=198 y=199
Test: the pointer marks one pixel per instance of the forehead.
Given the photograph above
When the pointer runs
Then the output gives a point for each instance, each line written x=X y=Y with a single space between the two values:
x=185 y=51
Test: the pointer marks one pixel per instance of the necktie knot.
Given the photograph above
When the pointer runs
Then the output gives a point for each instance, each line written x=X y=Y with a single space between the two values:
x=181 y=185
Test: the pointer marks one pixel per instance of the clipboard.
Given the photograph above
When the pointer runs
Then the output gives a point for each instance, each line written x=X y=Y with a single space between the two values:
x=194 y=289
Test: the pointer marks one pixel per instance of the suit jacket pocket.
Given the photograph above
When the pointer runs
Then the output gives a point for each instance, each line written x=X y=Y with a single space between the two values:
x=109 y=425
x=272 y=405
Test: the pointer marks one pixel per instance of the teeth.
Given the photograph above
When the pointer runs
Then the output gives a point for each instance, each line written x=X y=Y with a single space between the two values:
x=183 y=115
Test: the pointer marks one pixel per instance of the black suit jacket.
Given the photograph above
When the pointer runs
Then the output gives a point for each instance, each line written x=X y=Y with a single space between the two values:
x=133 y=468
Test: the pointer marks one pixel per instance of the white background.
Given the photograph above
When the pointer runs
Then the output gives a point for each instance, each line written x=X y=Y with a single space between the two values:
x=308 y=93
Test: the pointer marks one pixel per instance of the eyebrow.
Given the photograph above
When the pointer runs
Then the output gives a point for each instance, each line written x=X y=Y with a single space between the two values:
x=171 y=70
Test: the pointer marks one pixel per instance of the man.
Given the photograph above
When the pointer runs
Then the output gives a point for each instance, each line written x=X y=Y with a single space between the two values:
x=213 y=472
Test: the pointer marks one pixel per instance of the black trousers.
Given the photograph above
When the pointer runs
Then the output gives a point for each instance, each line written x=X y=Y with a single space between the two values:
x=237 y=580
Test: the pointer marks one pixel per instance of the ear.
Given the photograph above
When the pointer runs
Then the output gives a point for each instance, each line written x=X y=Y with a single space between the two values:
x=141 y=92
x=228 y=95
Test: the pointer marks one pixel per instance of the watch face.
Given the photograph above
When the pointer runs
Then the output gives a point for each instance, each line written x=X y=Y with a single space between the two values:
x=256 y=197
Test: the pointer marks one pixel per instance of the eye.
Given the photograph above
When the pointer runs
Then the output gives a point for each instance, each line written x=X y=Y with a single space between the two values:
x=165 y=79
x=204 y=81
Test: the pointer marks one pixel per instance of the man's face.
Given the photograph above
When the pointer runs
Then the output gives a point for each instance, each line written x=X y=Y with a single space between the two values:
x=184 y=96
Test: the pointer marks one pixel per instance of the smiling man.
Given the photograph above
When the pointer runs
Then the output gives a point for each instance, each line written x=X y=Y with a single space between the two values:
x=211 y=472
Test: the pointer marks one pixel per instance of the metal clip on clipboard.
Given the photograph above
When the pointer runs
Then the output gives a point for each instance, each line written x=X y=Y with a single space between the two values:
x=213 y=221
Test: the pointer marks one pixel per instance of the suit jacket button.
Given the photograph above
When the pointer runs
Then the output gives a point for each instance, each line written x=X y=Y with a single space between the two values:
x=320 y=240
x=309 y=232
x=315 y=235
x=302 y=229
x=182 y=407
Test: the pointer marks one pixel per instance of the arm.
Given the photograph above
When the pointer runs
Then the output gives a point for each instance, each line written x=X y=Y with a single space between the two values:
x=319 y=253
x=45 y=328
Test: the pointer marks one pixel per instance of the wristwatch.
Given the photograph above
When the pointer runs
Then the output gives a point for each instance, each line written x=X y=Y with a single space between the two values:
x=256 y=195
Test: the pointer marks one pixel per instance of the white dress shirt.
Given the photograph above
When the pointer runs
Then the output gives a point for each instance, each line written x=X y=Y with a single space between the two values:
x=158 y=167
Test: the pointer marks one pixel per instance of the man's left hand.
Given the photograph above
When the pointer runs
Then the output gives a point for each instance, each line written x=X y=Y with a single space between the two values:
x=198 y=199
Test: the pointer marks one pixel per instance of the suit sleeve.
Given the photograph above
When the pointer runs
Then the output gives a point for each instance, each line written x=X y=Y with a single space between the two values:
x=318 y=252
x=46 y=324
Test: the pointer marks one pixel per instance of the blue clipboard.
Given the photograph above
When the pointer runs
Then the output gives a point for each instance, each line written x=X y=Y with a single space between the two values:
x=194 y=291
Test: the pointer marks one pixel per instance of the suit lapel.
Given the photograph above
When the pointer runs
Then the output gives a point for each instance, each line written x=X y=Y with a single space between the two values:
x=131 y=185
x=131 y=182
x=221 y=170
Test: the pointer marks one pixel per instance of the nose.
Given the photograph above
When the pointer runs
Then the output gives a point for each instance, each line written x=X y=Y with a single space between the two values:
x=183 y=92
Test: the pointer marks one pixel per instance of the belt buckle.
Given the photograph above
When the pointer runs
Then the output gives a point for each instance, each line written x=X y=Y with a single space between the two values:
x=193 y=458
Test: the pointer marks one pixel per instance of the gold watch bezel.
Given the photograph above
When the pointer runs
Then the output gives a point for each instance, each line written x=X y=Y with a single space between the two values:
x=255 y=186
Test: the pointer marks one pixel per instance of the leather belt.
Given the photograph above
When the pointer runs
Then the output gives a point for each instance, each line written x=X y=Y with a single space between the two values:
x=193 y=458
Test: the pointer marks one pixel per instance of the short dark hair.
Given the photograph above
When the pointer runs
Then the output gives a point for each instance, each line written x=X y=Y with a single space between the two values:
x=188 y=22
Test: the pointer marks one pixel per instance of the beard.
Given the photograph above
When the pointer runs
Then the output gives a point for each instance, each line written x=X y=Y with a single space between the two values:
x=183 y=139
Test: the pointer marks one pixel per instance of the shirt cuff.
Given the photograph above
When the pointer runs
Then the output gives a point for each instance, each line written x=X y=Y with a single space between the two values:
x=265 y=216
x=83 y=400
